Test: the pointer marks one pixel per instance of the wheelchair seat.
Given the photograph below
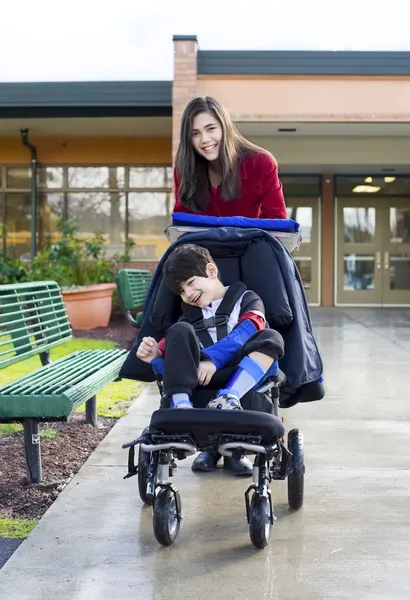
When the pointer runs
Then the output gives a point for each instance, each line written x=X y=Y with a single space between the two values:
x=205 y=426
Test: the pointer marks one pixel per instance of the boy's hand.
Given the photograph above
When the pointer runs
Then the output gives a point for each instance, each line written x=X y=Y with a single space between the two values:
x=206 y=370
x=148 y=350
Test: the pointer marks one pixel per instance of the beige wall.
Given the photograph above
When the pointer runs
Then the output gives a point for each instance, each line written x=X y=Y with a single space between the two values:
x=293 y=99
x=88 y=150
x=338 y=150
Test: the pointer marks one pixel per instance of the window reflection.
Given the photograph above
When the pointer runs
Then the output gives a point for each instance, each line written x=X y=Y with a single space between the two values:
x=96 y=177
x=97 y=197
x=400 y=225
x=99 y=210
x=305 y=269
x=51 y=210
x=303 y=216
x=301 y=185
x=50 y=177
x=359 y=224
x=18 y=220
x=358 y=272
x=388 y=185
x=47 y=177
x=2 y=223
x=149 y=213
x=399 y=272
x=18 y=178
x=151 y=177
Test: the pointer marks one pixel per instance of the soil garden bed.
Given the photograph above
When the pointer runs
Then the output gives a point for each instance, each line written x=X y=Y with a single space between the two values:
x=64 y=448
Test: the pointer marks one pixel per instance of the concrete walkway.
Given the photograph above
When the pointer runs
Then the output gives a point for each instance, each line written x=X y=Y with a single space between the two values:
x=350 y=540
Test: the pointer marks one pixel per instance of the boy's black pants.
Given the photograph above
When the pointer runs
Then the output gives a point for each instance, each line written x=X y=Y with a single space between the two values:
x=183 y=355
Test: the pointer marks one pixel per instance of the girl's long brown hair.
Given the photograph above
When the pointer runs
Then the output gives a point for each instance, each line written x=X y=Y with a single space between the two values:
x=192 y=169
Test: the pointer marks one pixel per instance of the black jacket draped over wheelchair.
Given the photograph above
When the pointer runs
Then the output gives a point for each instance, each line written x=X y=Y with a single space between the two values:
x=260 y=261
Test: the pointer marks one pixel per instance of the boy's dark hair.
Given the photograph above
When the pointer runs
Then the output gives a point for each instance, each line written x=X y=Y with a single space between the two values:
x=186 y=261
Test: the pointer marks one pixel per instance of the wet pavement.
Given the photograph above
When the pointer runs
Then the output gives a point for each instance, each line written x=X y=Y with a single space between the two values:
x=350 y=540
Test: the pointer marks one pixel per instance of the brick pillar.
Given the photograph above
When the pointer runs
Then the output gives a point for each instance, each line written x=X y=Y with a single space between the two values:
x=185 y=81
x=328 y=238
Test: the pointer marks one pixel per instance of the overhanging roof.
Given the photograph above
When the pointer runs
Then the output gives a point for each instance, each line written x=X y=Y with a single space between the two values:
x=86 y=99
x=275 y=62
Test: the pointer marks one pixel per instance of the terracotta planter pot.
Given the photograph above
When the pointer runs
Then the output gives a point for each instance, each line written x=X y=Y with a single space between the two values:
x=90 y=306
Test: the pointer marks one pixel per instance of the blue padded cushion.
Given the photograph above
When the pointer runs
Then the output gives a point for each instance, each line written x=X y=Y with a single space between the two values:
x=188 y=220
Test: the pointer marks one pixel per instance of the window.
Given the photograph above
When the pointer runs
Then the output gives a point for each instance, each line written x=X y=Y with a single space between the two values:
x=150 y=177
x=17 y=211
x=373 y=185
x=301 y=185
x=51 y=205
x=96 y=177
x=134 y=202
x=18 y=219
x=104 y=211
x=47 y=178
x=148 y=215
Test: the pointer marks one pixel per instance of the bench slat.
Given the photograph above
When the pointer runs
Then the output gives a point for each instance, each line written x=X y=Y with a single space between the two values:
x=12 y=358
x=60 y=375
x=27 y=383
x=94 y=363
x=16 y=405
x=133 y=285
x=17 y=321
x=33 y=319
x=87 y=363
x=39 y=381
x=46 y=331
x=29 y=302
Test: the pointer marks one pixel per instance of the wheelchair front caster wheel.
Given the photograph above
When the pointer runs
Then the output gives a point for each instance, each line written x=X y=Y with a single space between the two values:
x=144 y=459
x=260 y=521
x=296 y=478
x=165 y=518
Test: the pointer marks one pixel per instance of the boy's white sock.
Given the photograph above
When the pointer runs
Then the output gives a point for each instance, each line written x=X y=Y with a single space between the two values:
x=181 y=401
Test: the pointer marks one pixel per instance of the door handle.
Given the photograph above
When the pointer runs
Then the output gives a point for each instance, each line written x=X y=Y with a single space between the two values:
x=378 y=261
x=386 y=261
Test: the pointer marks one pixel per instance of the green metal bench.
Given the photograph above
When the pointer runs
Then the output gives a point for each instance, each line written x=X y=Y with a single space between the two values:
x=33 y=319
x=133 y=285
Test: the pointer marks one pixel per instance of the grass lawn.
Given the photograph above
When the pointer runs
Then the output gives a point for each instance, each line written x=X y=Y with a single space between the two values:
x=112 y=401
x=16 y=528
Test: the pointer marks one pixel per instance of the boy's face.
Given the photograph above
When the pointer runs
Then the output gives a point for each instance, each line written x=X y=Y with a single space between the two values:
x=201 y=291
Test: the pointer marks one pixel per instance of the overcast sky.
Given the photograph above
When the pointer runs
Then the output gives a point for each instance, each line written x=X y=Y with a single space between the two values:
x=80 y=40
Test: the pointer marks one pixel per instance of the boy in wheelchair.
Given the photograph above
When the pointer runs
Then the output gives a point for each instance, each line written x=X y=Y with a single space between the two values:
x=222 y=342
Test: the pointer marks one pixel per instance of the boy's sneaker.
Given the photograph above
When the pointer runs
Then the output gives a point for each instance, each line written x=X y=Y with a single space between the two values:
x=225 y=402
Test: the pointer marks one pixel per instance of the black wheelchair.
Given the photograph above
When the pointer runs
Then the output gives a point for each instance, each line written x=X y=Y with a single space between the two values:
x=258 y=430
x=174 y=434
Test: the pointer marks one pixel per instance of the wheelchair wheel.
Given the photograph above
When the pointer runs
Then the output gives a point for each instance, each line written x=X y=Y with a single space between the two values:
x=260 y=521
x=297 y=477
x=165 y=521
x=144 y=459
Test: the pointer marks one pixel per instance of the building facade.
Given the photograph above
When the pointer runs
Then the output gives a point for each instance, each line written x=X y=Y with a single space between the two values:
x=337 y=122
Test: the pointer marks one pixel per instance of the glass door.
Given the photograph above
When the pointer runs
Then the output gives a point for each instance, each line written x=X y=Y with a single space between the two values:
x=373 y=251
x=358 y=252
x=306 y=212
x=396 y=251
